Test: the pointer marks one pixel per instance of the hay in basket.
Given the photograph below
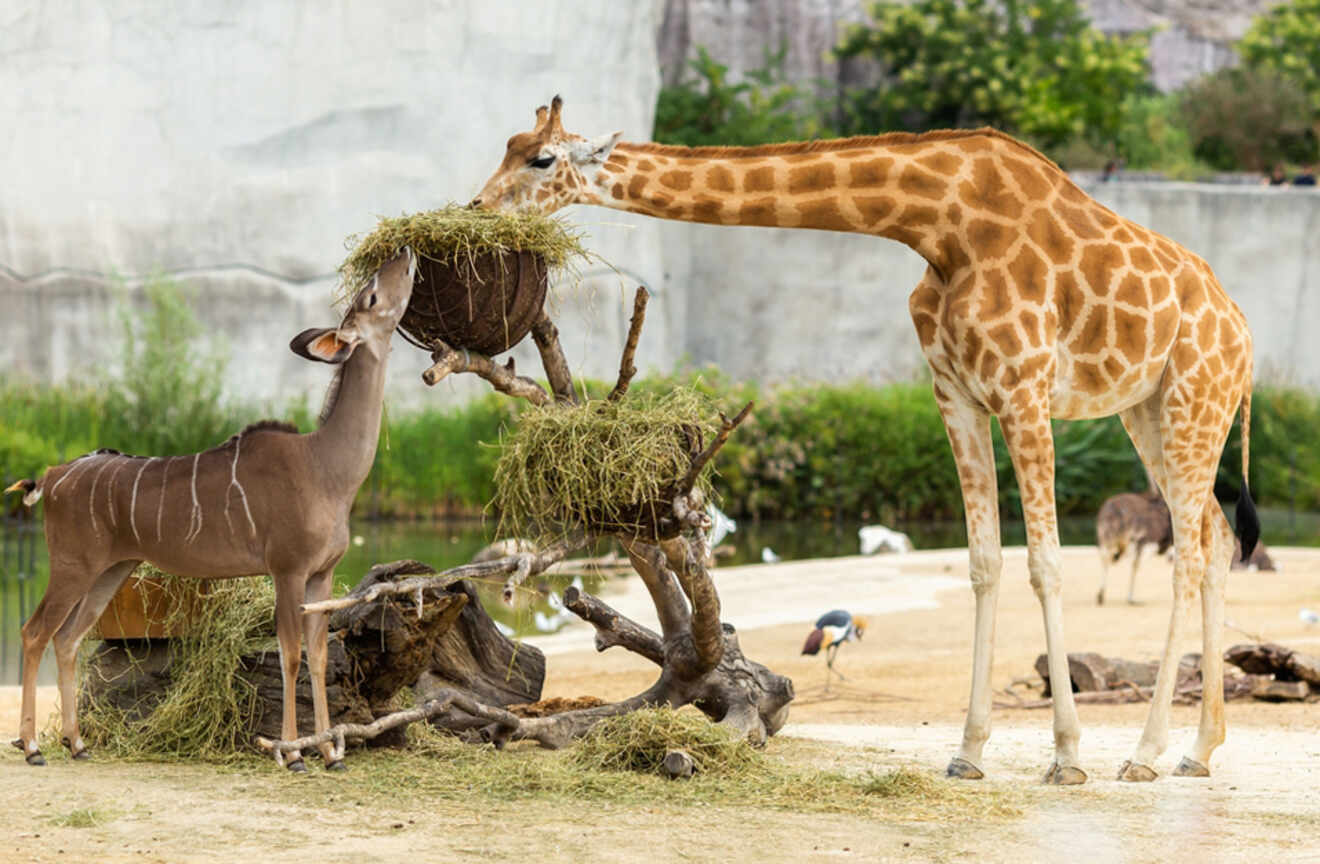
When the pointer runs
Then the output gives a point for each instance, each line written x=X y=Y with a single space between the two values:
x=482 y=275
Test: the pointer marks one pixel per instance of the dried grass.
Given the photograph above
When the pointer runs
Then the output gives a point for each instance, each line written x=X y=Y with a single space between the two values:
x=458 y=235
x=208 y=710
x=602 y=466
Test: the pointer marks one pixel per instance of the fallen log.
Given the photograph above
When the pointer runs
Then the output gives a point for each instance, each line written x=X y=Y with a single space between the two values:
x=1268 y=658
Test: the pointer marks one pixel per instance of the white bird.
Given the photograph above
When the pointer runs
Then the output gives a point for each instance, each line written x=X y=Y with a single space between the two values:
x=721 y=525
x=878 y=538
x=768 y=555
x=1308 y=616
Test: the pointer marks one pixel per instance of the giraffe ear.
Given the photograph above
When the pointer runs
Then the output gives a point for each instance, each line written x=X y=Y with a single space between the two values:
x=323 y=344
x=594 y=151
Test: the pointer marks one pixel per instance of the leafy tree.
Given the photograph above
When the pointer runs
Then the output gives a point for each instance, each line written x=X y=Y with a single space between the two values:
x=1249 y=119
x=1286 y=41
x=1033 y=68
x=709 y=110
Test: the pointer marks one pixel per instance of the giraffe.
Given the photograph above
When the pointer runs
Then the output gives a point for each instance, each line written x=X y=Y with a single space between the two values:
x=1038 y=302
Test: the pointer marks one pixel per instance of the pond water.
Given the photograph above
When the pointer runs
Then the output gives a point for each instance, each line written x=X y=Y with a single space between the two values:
x=444 y=544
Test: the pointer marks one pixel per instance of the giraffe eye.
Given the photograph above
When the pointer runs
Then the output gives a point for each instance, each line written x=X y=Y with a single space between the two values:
x=542 y=162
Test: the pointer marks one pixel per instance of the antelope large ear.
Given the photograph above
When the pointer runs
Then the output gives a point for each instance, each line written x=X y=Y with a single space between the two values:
x=323 y=344
x=594 y=151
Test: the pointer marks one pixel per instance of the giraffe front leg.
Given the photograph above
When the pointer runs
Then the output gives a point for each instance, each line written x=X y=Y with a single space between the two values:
x=1030 y=443
x=968 y=427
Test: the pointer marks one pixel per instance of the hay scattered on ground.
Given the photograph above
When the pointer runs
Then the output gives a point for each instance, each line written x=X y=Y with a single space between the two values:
x=459 y=235
x=208 y=711
x=602 y=466
x=638 y=741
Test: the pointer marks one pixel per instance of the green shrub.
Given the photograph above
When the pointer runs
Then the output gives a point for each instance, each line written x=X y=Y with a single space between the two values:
x=1036 y=69
x=1249 y=119
x=707 y=109
x=1286 y=40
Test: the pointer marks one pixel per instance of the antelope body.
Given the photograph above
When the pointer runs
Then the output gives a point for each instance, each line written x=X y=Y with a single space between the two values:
x=268 y=500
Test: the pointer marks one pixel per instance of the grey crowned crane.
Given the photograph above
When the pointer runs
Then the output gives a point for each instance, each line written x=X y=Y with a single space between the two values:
x=832 y=630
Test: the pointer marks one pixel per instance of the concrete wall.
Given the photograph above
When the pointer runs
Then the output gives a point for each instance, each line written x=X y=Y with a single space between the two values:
x=234 y=145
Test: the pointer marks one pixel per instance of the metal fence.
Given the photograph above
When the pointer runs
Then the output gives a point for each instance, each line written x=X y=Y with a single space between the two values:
x=20 y=544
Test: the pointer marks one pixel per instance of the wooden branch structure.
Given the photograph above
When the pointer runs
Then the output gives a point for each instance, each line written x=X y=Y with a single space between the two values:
x=699 y=657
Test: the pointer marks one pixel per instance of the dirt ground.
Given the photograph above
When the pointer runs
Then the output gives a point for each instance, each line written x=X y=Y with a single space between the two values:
x=903 y=705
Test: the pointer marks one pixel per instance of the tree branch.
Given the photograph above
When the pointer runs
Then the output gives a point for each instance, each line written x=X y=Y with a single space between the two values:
x=626 y=368
x=505 y=379
x=726 y=429
x=546 y=336
x=707 y=633
x=613 y=628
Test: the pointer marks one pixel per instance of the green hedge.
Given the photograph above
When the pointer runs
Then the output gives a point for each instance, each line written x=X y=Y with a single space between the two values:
x=852 y=451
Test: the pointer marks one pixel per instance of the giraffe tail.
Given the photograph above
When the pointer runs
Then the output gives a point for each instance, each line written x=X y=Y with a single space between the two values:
x=1248 y=523
x=30 y=488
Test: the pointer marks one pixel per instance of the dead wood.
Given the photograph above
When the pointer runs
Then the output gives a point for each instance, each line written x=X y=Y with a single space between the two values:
x=626 y=368
x=1269 y=658
x=546 y=336
x=505 y=379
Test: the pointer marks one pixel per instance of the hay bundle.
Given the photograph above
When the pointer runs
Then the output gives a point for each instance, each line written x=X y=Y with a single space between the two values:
x=208 y=708
x=481 y=275
x=602 y=466
x=638 y=741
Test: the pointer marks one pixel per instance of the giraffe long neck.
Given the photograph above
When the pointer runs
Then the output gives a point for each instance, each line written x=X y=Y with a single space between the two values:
x=892 y=192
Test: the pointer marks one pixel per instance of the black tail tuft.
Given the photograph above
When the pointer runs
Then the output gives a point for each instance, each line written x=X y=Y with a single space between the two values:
x=1248 y=523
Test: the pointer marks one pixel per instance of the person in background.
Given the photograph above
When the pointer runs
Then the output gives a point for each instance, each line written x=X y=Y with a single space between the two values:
x=1276 y=177
x=1305 y=177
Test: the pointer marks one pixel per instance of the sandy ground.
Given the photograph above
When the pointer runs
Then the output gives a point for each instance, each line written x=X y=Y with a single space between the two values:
x=903 y=704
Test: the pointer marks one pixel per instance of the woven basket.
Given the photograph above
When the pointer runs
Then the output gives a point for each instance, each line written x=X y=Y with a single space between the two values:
x=487 y=304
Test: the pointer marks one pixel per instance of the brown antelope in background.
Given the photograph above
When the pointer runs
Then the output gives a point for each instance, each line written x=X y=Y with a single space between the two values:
x=268 y=500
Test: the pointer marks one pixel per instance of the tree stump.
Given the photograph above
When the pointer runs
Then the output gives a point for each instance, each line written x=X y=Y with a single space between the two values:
x=375 y=649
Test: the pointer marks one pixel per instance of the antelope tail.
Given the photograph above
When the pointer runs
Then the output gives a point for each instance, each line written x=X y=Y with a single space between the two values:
x=31 y=491
x=1248 y=523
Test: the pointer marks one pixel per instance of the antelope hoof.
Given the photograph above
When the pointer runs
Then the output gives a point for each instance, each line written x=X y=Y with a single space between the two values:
x=81 y=754
x=1065 y=775
x=960 y=769
x=1190 y=768
x=1133 y=772
x=35 y=758
x=337 y=765
x=297 y=766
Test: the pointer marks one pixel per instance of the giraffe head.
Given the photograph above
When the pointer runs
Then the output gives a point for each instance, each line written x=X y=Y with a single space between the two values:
x=546 y=168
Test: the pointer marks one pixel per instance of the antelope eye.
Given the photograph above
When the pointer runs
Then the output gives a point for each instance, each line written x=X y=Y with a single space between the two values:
x=542 y=162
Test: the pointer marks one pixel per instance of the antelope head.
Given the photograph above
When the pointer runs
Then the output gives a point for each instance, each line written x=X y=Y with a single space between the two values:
x=547 y=168
x=371 y=318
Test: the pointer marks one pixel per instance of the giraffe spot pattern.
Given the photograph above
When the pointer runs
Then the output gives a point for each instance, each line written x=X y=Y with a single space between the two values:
x=758 y=211
x=941 y=162
x=1142 y=259
x=869 y=174
x=1078 y=222
x=1094 y=334
x=988 y=192
x=636 y=185
x=1130 y=335
x=1045 y=232
x=1028 y=179
x=919 y=216
x=810 y=178
x=1031 y=328
x=1098 y=265
x=1131 y=290
x=922 y=184
x=759 y=179
x=720 y=179
x=824 y=213
x=1006 y=337
x=679 y=181
x=991 y=240
x=874 y=208
x=1029 y=274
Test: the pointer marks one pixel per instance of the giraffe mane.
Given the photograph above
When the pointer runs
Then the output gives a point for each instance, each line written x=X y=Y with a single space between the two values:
x=827 y=145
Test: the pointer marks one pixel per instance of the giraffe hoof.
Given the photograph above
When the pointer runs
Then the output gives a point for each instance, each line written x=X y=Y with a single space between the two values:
x=961 y=769
x=337 y=765
x=297 y=766
x=1132 y=772
x=1065 y=775
x=1190 y=768
x=35 y=758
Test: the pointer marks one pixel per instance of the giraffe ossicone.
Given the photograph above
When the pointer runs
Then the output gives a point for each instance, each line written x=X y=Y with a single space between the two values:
x=1038 y=302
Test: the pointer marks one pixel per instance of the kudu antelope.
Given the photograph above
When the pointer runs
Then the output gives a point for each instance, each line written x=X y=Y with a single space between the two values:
x=268 y=500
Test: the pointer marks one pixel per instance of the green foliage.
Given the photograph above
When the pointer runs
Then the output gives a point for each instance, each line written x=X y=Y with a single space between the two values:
x=709 y=110
x=1154 y=136
x=1036 y=69
x=1286 y=41
x=1249 y=119
x=1285 y=455
x=167 y=399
